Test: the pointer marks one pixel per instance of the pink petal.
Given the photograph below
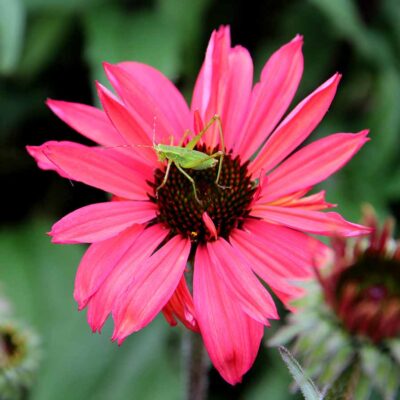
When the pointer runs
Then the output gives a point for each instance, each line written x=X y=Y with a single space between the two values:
x=314 y=201
x=280 y=256
x=312 y=164
x=317 y=222
x=88 y=121
x=142 y=106
x=99 y=261
x=105 y=299
x=296 y=127
x=271 y=96
x=42 y=160
x=101 y=221
x=171 y=102
x=181 y=306
x=234 y=98
x=267 y=267
x=99 y=167
x=209 y=224
x=131 y=129
x=150 y=288
x=290 y=254
x=238 y=277
x=223 y=87
x=214 y=67
x=231 y=337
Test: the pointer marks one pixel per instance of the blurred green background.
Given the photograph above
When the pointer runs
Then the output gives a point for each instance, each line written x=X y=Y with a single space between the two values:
x=54 y=48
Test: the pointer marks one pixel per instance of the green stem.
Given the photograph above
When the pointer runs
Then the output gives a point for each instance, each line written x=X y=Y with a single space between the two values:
x=196 y=363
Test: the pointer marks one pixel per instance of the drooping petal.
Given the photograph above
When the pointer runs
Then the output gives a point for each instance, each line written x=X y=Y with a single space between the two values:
x=223 y=87
x=271 y=97
x=238 y=277
x=88 y=121
x=105 y=299
x=317 y=222
x=141 y=104
x=296 y=127
x=231 y=337
x=312 y=164
x=99 y=261
x=181 y=306
x=101 y=168
x=164 y=92
x=101 y=221
x=151 y=288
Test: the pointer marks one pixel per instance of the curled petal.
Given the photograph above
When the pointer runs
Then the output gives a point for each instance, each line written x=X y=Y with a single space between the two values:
x=314 y=201
x=181 y=306
x=43 y=161
x=208 y=222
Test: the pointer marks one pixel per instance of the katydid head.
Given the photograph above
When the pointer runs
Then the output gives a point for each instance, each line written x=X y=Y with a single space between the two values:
x=160 y=152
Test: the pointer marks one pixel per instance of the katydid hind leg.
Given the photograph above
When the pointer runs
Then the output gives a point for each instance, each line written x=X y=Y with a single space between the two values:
x=192 y=143
x=222 y=143
x=215 y=119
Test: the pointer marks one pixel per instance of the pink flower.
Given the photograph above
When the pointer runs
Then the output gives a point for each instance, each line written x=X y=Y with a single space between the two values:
x=145 y=244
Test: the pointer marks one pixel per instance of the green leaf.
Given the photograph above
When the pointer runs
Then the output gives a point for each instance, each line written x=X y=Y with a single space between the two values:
x=12 y=26
x=306 y=385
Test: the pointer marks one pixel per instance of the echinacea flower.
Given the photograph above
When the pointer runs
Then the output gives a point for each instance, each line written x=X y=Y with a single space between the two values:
x=350 y=324
x=254 y=223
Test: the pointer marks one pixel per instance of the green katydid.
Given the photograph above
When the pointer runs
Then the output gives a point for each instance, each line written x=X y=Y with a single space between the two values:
x=188 y=158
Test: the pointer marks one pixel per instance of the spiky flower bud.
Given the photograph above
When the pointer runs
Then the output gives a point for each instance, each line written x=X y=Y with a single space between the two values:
x=353 y=316
x=19 y=356
x=363 y=288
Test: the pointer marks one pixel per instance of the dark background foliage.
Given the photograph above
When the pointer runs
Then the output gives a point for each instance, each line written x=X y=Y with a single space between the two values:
x=54 y=48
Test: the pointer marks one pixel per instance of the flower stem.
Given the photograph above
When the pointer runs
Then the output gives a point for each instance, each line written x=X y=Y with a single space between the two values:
x=196 y=363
